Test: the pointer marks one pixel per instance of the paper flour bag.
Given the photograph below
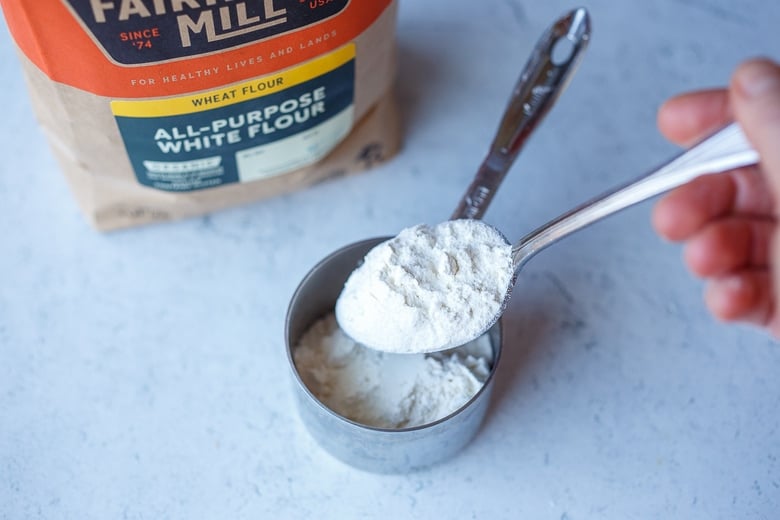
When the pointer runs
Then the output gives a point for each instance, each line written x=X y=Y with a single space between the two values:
x=162 y=109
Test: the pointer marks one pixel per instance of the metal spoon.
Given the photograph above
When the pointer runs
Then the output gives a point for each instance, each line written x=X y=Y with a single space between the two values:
x=545 y=76
x=724 y=150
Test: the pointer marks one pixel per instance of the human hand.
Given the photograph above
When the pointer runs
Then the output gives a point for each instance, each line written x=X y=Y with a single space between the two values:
x=728 y=221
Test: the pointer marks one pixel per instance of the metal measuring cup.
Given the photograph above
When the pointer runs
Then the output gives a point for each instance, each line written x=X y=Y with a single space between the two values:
x=546 y=74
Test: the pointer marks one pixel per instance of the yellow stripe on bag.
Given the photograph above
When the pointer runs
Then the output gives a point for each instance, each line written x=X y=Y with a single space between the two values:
x=244 y=91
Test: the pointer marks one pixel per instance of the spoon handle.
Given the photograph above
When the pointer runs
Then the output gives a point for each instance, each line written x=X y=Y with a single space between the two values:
x=544 y=77
x=724 y=150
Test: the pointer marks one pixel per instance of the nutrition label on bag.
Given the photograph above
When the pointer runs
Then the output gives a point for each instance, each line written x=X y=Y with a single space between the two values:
x=243 y=132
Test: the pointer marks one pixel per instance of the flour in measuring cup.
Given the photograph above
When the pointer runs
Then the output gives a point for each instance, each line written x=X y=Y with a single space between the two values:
x=385 y=390
x=427 y=289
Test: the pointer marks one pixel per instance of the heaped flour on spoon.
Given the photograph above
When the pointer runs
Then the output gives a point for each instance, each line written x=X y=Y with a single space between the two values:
x=427 y=289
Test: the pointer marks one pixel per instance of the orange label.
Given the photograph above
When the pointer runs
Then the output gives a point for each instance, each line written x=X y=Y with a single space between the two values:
x=155 y=48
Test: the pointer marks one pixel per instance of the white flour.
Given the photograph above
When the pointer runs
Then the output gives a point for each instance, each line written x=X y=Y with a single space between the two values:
x=386 y=390
x=427 y=289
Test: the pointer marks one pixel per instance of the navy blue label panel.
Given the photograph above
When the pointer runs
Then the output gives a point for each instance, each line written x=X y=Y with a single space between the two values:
x=198 y=150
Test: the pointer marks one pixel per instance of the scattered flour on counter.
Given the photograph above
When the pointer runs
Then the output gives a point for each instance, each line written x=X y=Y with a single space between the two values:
x=387 y=390
x=427 y=289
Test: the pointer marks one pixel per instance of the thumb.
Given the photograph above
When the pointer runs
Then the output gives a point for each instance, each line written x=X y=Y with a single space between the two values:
x=755 y=99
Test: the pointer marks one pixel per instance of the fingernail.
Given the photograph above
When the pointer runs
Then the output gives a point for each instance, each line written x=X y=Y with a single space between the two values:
x=757 y=78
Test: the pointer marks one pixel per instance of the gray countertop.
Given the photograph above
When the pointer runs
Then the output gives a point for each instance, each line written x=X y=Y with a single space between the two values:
x=143 y=373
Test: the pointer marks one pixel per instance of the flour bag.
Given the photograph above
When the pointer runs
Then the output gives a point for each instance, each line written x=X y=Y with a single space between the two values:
x=162 y=109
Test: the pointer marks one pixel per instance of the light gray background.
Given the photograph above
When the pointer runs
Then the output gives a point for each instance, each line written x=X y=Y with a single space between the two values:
x=143 y=374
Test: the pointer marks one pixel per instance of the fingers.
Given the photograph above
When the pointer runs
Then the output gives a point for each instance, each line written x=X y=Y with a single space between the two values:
x=686 y=118
x=686 y=210
x=728 y=220
x=729 y=245
x=755 y=97
x=744 y=296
